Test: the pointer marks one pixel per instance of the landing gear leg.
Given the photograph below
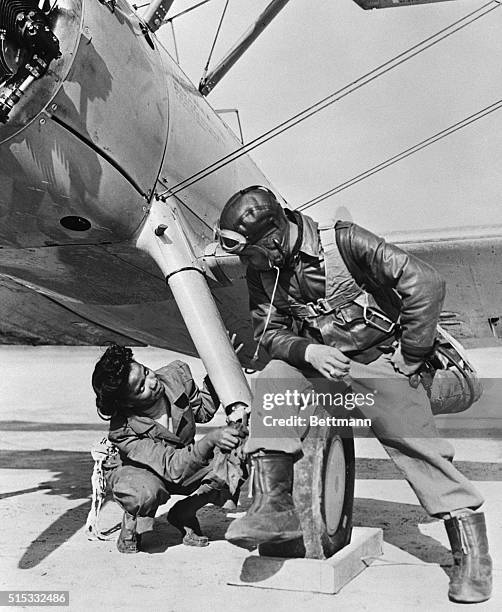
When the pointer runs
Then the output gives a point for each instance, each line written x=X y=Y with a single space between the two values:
x=163 y=238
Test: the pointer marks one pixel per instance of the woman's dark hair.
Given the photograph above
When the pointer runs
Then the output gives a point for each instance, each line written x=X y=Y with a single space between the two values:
x=109 y=379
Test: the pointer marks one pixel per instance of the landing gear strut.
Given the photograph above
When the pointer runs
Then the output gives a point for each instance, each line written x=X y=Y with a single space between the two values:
x=164 y=239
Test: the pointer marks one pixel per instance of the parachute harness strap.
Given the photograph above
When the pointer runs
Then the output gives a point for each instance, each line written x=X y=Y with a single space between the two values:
x=255 y=356
x=100 y=452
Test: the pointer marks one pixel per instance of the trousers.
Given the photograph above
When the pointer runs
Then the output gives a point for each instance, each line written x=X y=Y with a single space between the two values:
x=400 y=416
x=140 y=491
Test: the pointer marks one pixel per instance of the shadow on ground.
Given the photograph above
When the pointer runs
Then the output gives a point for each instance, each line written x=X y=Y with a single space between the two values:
x=214 y=522
x=71 y=480
x=48 y=426
x=399 y=523
x=58 y=532
x=72 y=470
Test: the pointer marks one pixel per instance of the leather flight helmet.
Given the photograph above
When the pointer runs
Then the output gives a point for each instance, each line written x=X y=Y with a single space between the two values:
x=253 y=212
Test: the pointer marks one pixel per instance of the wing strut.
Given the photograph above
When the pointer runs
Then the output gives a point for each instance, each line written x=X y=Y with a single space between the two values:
x=208 y=82
x=154 y=16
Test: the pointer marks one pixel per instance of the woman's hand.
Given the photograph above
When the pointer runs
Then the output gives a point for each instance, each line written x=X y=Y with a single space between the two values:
x=227 y=437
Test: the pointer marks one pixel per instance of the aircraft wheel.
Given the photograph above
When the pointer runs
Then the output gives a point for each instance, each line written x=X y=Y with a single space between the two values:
x=323 y=493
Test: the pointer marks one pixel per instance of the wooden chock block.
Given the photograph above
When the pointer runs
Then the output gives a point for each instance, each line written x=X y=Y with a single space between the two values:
x=319 y=576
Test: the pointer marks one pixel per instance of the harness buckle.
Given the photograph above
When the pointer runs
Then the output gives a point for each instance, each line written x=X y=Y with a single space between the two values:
x=321 y=307
x=324 y=307
x=378 y=320
x=311 y=310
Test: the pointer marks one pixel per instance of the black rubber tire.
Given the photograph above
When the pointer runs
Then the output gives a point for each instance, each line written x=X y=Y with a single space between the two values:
x=323 y=496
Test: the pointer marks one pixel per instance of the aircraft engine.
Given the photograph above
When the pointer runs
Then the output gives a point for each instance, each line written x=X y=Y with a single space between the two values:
x=84 y=112
x=28 y=28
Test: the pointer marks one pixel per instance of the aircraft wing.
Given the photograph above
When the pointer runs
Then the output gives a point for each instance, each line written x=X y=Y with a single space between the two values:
x=469 y=260
x=33 y=314
x=119 y=295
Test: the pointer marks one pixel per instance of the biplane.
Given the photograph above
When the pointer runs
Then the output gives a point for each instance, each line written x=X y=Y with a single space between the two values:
x=113 y=169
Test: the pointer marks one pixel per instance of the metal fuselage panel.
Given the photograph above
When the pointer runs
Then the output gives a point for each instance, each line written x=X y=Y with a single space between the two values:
x=101 y=137
x=112 y=116
x=115 y=94
x=198 y=138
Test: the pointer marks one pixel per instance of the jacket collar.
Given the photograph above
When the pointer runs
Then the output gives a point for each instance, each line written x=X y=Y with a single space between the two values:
x=309 y=232
x=179 y=403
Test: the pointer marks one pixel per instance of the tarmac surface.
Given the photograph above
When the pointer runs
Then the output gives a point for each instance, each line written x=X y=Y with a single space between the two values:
x=47 y=425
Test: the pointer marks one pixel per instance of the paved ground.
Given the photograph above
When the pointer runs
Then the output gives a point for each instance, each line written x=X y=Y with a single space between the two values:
x=47 y=424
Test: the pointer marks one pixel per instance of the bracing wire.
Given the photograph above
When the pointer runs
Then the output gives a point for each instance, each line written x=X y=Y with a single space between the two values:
x=206 y=67
x=188 y=10
x=339 y=94
x=403 y=154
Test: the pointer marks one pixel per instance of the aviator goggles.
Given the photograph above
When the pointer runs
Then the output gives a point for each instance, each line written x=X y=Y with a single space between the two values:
x=230 y=241
x=258 y=255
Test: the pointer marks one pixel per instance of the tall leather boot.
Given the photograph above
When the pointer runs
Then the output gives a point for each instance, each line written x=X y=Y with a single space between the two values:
x=271 y=516
x=129 y=540
x=472 y=574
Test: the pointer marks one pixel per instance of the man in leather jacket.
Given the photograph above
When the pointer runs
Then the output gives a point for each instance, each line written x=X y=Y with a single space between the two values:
x=342 y=303
x=152 y=425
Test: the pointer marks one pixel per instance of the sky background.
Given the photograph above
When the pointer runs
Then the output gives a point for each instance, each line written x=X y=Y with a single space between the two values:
x=313 y=48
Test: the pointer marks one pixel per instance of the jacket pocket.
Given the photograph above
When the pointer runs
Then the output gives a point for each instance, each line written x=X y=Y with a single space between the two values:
x=347 y=330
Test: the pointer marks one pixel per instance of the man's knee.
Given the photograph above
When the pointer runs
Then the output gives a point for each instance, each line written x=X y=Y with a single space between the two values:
x=277 y=368
x=138 y=491
x=277 y=377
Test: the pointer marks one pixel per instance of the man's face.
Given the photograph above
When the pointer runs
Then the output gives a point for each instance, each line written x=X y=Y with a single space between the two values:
x=143 y=387
x=268 y=252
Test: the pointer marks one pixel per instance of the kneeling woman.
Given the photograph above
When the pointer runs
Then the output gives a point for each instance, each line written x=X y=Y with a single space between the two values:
x=152 y=423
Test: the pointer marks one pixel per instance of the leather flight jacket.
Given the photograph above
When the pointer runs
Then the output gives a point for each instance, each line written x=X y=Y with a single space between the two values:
x=346 y=288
